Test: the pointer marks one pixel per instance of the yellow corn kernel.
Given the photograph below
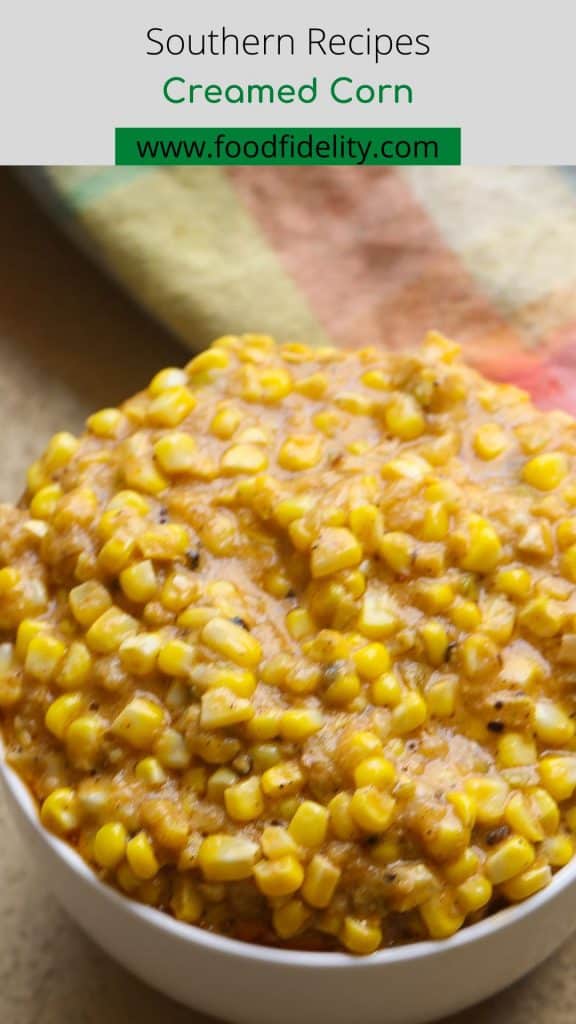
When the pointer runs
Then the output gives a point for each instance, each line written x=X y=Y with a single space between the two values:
x=129 y=501
x=441 y=916
x=376 y=379
x=224 y=858
x=397 y=550
x=566 y=532
x=342 y=823
x=106 y=423
x=446 y=838
x=441 y=697
x=141 y=857
x=435 y=641
x=479 y=655
x=240 y=681
x=109 y=846
x=299 y=624
x=520 y=815
x=514 y=582
x=483 y=549
x=150 y=771
x=434 y=597
x=265 y=725
x=36 y=476
x=320 y=881
x=290 y=918
x=171 y=377
x=218 y=783
x=465 y=615
x=357 y=746
x=547 y=810
x=404 y=418
x=336 y=549
x=139 y=582
x=300 y=451
x=108 y=632
x=489 y=441
x=45 y=501
x=231 y=642
x=243 y=801
x=551 y=724
x=172 y=750
x=527 y=883
x=372 y=660
x=309 y=824
x=164 y=542
x=314 y=386
x=60 y=811
x=473 y=893
x=463 y=867
x=9 y=579
x=43 y=657
x=371 y=809
x=220 y=708
x=510 y=858
x=558 y=776
x=139 y=722
x=277 y=842
x=543 y=616
x=558 y=850
x=436 y=522
x=547 y=471
x=282 y=780
x=515 y=750
x=375 y=771
x=84 y=740
x=280 y=877
x=361 y=936
x=226 y=420
x=490 y=796
x=61 y=448
x=139 y=653
x=244 y=458
x=344 y=689
x=176 y=452
x=88 y=602
x=377 y=617
x=176 y=658
x=186 y=903
x=126 y=879
x=464 y=805
x=171 y=406
x=409 y=714
x=287 y=511
x=75 y=668
x=568 y=563
x=297 y=724
x=386 y=691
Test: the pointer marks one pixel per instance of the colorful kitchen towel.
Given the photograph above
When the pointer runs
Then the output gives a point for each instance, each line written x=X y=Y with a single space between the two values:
x=358 y=255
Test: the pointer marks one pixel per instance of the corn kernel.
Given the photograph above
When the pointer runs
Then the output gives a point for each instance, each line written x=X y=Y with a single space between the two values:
x=515 y=750
x=106 y=423
x=110 y=845
x=224 y=858
x=371 y=809
x=386 y=690
x=490 y=796
x=282 y=780
x=45 y=501
x=409 y=714
x=372 y=660
x=244 y=458
x=141 y=857
x=139 y=582
x=483 y=550
x=527 y=883
x=404 y=418
x=435 y=641
x=397 y=550
x=342 y=823
x=171 y=406
x=299 y=624
x=463 y=867
x=60 y=811
x=108 y=632
x=186 y=903
x=172 y=750
x=232 y=642
x=277 y=842
x=545 y=472
x=139 y=653
x=320 y=881
x=164 y=542
x=473 y=893
x=520 y=816
x=510 y=858
x=309 y=824
x=150 y=772
x=551 y=724
x=297 y=724
x=442 y=916
x=88 y=602
x=280 y=877
x=300 y=451
x=83 y=739
x=290 y=918
x=361 y=936
x=139 y=723
x=220 y=708
x=514 y=582
x=558 y=850
x=243 y=801
x=558 y=775
x=336 y=549
x=375 y=771
x=44 y=656
x=441 y=697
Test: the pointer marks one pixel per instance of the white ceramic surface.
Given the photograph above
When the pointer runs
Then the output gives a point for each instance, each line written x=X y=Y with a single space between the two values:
x=254 y=985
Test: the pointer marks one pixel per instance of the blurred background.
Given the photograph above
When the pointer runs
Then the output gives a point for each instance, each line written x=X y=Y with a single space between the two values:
x=486 y=255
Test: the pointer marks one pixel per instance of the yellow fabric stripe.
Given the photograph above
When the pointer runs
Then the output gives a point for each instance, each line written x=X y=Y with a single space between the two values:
x=182 y=243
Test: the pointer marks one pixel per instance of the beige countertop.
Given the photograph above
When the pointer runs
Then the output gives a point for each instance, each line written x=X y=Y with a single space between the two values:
x=69 y=343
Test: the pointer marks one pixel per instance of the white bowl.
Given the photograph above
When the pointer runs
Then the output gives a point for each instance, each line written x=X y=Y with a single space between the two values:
x=251 y=984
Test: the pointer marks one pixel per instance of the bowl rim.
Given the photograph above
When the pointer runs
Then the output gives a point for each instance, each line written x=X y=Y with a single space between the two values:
x=222 y=944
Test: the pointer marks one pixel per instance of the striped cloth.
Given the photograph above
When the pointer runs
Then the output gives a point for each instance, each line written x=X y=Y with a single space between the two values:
x=355 y=255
